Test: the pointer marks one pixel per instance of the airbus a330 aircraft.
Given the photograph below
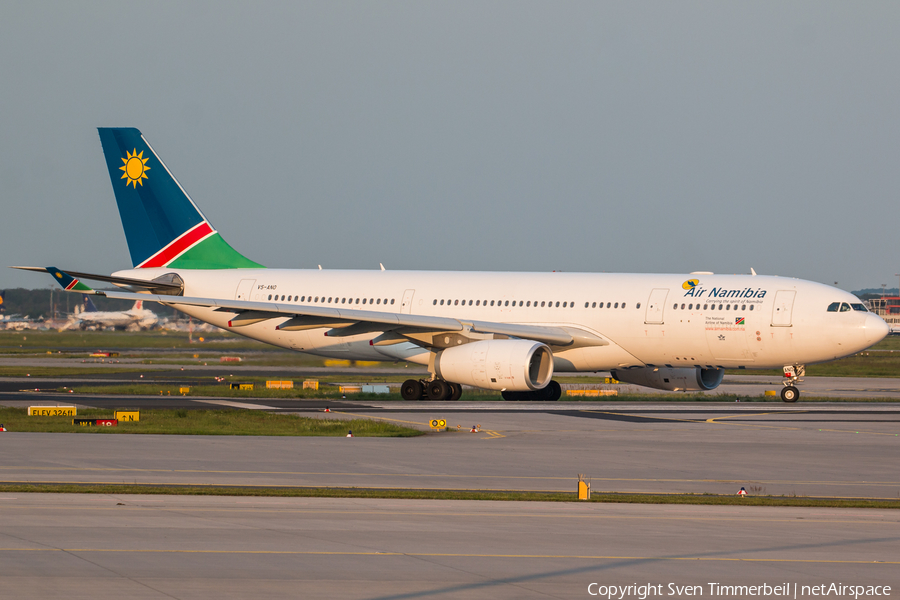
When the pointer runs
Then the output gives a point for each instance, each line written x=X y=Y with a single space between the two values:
x=500 y=331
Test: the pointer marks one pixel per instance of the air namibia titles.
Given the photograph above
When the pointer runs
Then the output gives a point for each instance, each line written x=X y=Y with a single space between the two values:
x=697 y=292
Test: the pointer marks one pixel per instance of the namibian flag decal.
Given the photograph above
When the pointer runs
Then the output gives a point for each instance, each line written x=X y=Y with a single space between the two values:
x=739 y=320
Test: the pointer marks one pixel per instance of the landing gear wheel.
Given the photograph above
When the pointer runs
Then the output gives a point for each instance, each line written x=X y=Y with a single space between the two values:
x=552 y=392
x=514 y=396
x=412 y=390
x=455 y=392
x=790 y=393
x=438 y=390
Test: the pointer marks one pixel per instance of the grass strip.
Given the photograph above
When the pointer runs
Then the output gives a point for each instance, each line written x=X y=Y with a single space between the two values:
x=417 y=494
x=207 y=422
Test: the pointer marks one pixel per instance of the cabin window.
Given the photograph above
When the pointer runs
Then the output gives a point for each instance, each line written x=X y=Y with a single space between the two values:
x=617 y=305
x=507 y=303
x=623 y=305
x=456 y=302
x=751 y=307
x=270 y=296
x=478 y=303
x=705 y=306
x=392 y=300
x=557 y=305
x=682 y=306
x=542 y=304
x=492 y=302
x=690 y=307
x=743 y=307
x=638 y=304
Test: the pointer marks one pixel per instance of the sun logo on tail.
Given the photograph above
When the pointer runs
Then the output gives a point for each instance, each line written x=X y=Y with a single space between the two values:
x=135 y=168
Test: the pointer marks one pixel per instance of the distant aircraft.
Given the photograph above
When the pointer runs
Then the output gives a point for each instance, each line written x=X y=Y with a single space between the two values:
x=136 y=318
x=501 y=331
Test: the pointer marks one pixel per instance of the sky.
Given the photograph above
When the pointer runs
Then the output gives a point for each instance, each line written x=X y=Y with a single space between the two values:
x=660 y=137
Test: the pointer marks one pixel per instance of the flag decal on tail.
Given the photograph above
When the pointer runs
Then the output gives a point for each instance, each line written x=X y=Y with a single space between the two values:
x=178 y=246
x=135 y=168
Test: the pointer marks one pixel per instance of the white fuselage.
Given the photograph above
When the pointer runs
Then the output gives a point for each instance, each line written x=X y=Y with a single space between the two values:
x=732 y=321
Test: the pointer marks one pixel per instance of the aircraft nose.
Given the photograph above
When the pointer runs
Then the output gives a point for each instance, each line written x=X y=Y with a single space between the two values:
x=875 y=329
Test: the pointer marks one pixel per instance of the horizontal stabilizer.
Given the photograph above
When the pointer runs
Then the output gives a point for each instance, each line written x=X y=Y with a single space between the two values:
x=157 y=287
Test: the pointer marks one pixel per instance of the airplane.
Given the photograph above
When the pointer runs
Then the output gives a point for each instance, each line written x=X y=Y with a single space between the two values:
x=504 y=331
x=137 y=317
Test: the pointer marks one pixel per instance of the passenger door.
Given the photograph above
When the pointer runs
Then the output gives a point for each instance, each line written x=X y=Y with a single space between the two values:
x=406 y=303
x=784 y=306
x=244 y=289
x=656 y=306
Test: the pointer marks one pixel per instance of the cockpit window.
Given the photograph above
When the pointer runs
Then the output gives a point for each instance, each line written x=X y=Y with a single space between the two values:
x=845 y=307
x=859 y=307
x=833 y=307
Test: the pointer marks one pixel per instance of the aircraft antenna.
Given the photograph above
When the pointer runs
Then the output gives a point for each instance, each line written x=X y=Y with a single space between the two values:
x=752 y=272
x=382 y=266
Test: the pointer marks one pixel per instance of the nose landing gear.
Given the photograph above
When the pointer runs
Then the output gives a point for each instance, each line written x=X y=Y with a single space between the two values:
x=792 y=375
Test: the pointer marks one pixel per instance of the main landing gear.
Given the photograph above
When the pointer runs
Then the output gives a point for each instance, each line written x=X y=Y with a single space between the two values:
x=550 y=393
x=792 y=375
x=437 y=389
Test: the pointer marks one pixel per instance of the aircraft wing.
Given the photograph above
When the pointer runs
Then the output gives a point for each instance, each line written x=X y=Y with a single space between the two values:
x=313 y=317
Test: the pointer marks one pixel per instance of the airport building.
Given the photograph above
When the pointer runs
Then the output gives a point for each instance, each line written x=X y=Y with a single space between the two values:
x=888 y=308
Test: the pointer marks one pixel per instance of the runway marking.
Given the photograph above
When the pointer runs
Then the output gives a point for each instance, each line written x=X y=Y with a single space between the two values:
x=340 y=412
x=716 y=419
x=622 y=414
x=233 y=404
x=455 y=555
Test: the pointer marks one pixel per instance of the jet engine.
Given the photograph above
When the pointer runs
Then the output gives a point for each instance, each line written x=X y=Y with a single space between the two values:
x=692 y=379
x=512 y=365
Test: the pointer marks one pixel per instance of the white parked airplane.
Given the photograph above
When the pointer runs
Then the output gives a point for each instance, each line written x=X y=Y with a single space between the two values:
x=500 y=331
x=137 y=317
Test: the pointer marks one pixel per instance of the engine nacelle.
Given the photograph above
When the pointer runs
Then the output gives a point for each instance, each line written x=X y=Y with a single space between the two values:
x=693 y=379
x=512 y=365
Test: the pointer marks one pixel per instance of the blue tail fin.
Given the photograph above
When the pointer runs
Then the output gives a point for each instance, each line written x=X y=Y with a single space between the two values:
x=88 y=304
x=163 y=226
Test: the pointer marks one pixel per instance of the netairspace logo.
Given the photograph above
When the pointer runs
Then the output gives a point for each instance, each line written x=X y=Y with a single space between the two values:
x=721 y=590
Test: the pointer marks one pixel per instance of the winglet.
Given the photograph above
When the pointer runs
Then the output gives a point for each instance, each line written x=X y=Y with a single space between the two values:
x=69 y=283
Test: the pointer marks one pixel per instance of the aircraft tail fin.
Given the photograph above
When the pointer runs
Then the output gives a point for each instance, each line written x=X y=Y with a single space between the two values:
x=88 y=304
x=138 y=305
x=68 y=283
x=163 y=226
